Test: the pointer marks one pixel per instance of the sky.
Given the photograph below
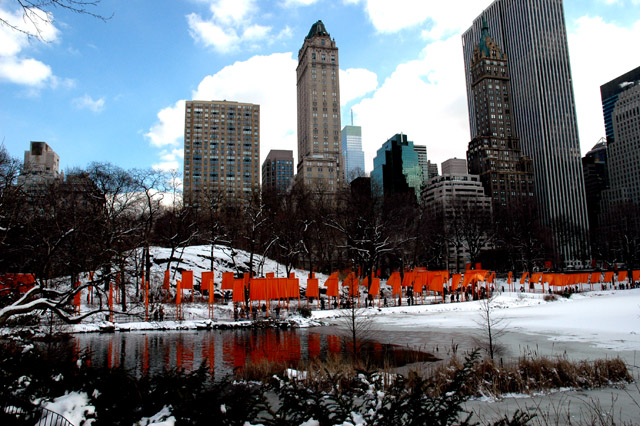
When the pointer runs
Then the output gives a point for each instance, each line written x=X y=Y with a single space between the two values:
x=114 y=91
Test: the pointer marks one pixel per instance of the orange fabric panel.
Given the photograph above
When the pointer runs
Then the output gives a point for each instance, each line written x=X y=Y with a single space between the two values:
x=622 y=275
x=365 y=282
x=375 y=287
x=492 y=276
x=293 y=286
x=535 y=278
x=510 y=278
x=608 y=276
x=206 y=281
x=407 y=281
x=395 y=283
x=455 y=281
x=548 y=278
x=257 y=289
x=187 y=279
x=282 y=288
x=227 y=281
x=524 y=277
x=436 y=284
x=312 y=288
x=166 y=282
x=238 y=290
x=332 y=287
x=270 y=275
x=636 y=275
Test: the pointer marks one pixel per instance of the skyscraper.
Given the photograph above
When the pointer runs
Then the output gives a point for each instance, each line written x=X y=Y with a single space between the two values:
x=609 y=93
x=277 y=170
x=352 y=152
x=319 y=152
x=221 y=150
x=421 y=150
x=596 y=180
x=534 y=38
x=623 y=152
x=494 y=154
x=396 y=169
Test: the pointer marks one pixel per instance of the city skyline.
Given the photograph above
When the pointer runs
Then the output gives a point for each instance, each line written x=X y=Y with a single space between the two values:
x=93 y=97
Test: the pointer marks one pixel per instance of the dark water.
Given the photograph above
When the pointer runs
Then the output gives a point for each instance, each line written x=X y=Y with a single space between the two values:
x=223 y=351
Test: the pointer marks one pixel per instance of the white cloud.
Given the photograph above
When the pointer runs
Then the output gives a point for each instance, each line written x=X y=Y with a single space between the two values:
x=15 y=67
x=169 y=129
x=87 y=102
x=255 y=32
x=265 y=80
x=170 y=160
x=597 y=55
x=232 y=12
x=230 y=26
x=29 y=72
x=355 y=83
x=296 y=3
x=211 y=35
x=424 y=99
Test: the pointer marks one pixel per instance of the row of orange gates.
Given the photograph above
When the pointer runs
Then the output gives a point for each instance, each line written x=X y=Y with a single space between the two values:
x=269 y=288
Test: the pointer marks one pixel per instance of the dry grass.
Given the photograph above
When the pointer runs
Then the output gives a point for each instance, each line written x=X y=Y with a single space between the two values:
x=530 y=375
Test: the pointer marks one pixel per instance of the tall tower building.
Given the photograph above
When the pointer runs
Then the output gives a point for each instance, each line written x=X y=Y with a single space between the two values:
x=396 y=169
x=352 y=152
x=609 y=93
x=221 y=151
x=623 y=153
x=277 y=170
x=533 y=36
x=596 y=180
x=421 y=150
x=320 y=165
x=494 y=154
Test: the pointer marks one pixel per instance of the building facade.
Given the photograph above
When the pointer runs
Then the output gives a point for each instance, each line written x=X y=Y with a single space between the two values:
x=221 y=151
x=596 y=181
x=623 y=153
x=320 y=164
x=396 y=169
x=534 y=38
x=451 y=195
x=609 y=93
x=352 y=152
x=277 y=170
x=421 y=150
x=494 y=153
x=41 y=166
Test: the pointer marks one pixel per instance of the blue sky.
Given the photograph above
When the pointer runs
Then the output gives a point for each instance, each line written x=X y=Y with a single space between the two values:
x=113 y=91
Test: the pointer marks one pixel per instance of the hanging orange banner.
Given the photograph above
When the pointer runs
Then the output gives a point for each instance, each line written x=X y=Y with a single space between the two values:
x=395 y=283
x=455 y=281
x=227 y=281
x=178 y=292
x=312 y=288
x=374 y=290
x=238 y=290
x=206 y=281
x=187 y=280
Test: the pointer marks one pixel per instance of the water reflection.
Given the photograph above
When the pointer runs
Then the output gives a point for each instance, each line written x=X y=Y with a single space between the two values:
x=222 y=351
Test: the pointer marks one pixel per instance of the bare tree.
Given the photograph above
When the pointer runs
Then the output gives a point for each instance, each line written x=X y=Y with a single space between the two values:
x=356 y=326
x=38 y=14
x=492 y=328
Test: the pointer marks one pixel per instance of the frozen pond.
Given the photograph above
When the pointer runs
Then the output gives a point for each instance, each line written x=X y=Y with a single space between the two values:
x=225 y=350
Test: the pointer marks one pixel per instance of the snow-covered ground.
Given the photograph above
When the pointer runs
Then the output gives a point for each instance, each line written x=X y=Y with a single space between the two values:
x=606 y=319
